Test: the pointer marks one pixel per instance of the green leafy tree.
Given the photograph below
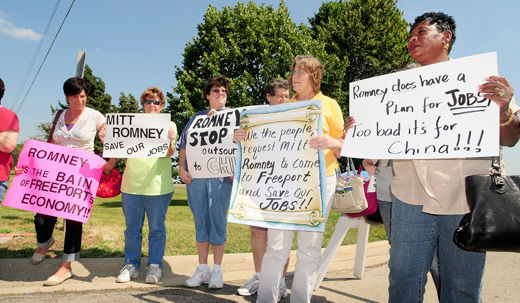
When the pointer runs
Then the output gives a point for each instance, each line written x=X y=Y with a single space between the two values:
x=16 y=152
x=247 y=43
x=367 y=37
x=128 y=104
x=97 y=98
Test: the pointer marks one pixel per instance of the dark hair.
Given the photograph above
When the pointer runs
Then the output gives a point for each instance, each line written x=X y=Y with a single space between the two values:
x=442 y=21
x=217 y=81
x=2 y=88
x=74 y=86
x=275 y=84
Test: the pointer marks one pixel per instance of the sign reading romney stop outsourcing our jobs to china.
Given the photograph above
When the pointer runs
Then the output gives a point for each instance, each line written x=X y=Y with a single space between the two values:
x=136 y=135
x=210 y=151
x=429 y=112
x=58 y=181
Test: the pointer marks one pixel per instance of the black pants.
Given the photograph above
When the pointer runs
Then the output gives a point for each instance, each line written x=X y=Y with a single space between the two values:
x=44 y=226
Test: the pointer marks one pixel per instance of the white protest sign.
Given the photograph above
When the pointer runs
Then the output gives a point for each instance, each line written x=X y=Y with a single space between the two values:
x=279 y=179
x=136 y=135
x=210 y=151
x=429 y=112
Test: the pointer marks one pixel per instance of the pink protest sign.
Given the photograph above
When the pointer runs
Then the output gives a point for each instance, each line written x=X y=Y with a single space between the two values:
x=56 y=180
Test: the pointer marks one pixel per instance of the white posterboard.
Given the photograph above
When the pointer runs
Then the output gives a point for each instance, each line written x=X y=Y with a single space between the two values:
x=136 y=135
x=210 y=151
x=431 y=112
x=279 y=180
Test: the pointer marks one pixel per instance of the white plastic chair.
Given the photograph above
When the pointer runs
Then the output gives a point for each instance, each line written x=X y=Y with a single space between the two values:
x=342 y=226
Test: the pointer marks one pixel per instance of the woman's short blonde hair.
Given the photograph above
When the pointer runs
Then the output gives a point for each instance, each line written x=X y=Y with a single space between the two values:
x=153 y=92
x=312 y=66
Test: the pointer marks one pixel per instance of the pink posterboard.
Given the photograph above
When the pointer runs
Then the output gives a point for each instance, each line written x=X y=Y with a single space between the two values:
x=56 y=180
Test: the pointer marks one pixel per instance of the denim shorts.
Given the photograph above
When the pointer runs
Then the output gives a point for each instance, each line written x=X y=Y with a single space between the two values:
x=208 y=199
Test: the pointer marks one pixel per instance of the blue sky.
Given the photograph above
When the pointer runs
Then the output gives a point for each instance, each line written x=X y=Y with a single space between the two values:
x=134 y=44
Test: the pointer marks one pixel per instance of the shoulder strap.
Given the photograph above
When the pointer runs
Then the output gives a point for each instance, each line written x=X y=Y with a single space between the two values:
x=53 y=127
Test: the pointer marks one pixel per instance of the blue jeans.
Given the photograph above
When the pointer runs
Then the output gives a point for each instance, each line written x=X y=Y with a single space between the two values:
x=135 y=207
x=3 y=189
x=416 y=236
x=208 y=199
x=385 y=209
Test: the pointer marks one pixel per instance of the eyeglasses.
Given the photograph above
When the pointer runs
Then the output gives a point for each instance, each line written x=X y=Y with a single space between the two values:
x=283 y=97
x=298 y=72
x=216 y=91
x=155 y=102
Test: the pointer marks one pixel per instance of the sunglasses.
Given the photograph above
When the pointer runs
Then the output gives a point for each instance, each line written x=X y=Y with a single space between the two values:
x=155 y=102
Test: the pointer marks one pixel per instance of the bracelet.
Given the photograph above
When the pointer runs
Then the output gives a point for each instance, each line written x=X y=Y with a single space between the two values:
x=509 y=120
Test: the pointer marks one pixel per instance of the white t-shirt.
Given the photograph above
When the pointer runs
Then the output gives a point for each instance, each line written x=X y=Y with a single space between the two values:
x=82 y=134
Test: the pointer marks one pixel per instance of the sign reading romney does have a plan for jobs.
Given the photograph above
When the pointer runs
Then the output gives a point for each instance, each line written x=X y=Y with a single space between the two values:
x=136 y=135
x=429 y=112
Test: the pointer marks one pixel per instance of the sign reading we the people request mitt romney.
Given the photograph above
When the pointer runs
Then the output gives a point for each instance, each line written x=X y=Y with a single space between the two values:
x=429 y=112
x=58 y=181
x=279 y=179
x=136 y=135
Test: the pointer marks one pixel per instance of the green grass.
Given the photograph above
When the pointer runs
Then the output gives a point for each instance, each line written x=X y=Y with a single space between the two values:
x=103 y=235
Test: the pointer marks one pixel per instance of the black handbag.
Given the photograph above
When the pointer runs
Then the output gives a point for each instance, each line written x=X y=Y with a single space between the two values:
x=493 y=223
x=375 y=218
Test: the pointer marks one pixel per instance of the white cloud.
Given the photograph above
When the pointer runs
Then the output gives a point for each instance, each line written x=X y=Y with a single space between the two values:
x=16 y=32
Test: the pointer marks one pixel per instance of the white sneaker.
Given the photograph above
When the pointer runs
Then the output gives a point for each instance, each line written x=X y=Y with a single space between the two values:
x=201 y=276
x=127 y=273
x=250 y=287
x=282 y=290
x=215 y=279
x=153 y=273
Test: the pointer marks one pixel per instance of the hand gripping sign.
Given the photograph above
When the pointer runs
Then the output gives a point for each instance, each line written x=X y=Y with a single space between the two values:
x=210 y=150
x=136 y=136
x=279 y=180
x=56 y=180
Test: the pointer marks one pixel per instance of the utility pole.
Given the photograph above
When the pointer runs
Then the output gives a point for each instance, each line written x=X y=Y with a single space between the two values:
x=80 y=67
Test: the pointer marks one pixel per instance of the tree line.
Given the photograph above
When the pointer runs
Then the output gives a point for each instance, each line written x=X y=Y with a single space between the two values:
x=251 y=44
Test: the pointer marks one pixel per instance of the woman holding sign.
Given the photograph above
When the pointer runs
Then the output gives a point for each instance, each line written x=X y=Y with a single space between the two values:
x=147 y=189
x=276 y=92
x=306 y=75
x=429 y=198
x=75 y=127
x=208 y=198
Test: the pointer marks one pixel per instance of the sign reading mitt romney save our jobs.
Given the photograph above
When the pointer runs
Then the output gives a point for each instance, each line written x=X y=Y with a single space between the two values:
x=429 y=112
x=58 y=181
x=136 y=135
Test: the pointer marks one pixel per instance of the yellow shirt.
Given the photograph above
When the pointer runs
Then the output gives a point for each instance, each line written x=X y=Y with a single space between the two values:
x=332 y=126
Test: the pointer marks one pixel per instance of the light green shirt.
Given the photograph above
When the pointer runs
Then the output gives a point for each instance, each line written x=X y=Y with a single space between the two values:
x=148 y=176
